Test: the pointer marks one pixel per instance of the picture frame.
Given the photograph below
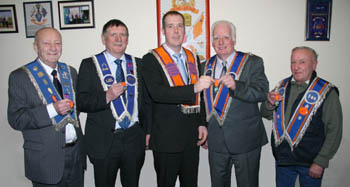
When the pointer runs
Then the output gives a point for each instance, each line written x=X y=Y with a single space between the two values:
x=196 y=13
x=318 y=20
x=76 y=14
x=8 y=19
x=37 y=15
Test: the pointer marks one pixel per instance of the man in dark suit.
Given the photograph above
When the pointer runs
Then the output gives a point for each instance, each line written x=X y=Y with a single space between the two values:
x=110 y=91
x=171 y=75
x=236 y=132
x=43 y=108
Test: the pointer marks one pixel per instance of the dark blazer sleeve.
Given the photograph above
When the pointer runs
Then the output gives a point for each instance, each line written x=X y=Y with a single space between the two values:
x=253 y=85
x=90 y=95
x=159 y=88
x=25 y=109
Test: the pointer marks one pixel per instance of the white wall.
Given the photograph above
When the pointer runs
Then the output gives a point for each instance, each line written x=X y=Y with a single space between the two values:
x=268 y=28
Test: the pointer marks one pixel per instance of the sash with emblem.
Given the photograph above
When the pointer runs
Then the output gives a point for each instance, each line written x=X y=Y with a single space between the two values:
x=119 y=108
x=48 y=93
x=174 y=76
x=217 y=107
x=300 y=120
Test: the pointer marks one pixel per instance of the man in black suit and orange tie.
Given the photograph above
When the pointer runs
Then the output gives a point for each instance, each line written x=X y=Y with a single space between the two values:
x=42 y=106
x=110 y=91
x=171 y=74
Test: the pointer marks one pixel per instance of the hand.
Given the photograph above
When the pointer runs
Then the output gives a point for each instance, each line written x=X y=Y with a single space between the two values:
x=204 y=82
x=148 y=136
x=202 y=135
x=205 y=145
x=271 y=98
x=227 y=80
x=62 y=107
x=316 y=171
x=114 y=91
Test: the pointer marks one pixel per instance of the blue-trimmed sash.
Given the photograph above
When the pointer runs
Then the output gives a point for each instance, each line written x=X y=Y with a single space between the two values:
x=48 y=93
x=218 y=106
x=119 y=108
x=174 y=76
x=300 y=120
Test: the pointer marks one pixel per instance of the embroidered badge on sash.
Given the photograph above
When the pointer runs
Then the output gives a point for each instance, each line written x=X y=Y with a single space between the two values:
x=174 y=76
x=300 y=120
x=217 y=107
x=119 y=108
x=48 y=93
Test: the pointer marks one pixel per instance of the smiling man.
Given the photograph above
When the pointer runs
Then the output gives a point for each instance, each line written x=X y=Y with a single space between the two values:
x=178 y=126
x=110 y=92
x=308 y=122
x=236 y=132
x=42 y=106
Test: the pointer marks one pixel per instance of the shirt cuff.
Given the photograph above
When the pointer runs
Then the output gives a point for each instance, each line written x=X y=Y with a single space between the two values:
x=51 y=110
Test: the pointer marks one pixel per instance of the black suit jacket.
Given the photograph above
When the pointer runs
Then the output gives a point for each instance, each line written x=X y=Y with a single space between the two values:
x=91 y=98
x=171 y=131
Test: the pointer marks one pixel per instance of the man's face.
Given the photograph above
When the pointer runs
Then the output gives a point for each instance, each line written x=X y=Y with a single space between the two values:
x=223 y=43
x=48 y=46
x=116 y=40
x=174 y=31
x=302 y=65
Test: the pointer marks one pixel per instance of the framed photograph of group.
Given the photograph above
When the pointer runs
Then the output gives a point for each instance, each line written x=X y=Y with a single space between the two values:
x=318 y=20
x=37 y=15
x=76 y=14
x=8 y=20
x=196 y=13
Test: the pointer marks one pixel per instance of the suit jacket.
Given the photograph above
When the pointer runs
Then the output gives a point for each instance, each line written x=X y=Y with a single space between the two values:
x=171 y=131
x=92 y=99
x=44 y=154
x=243 y=129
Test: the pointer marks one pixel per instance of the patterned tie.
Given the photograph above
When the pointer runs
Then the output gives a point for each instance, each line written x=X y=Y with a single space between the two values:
x=57 y=83
x=119 y=77
x=223 y=72
x=181 y=67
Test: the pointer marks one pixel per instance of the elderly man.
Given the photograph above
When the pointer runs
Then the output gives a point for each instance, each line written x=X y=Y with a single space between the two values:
x=236 y=132
x=42 y=106
x=307 y=118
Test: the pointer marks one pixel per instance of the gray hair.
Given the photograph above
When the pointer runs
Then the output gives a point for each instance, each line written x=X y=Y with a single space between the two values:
x=315 y=55
x=229 y=24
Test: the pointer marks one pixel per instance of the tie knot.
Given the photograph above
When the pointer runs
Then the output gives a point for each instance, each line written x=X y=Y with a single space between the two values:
x=224 y=63
x=54 y=73
x=118 y=61
x=177 y=56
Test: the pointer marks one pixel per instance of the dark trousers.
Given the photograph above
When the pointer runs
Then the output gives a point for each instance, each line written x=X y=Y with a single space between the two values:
x=170 y=165
x=127 y=154
x=287 y=175
x=246 y=168
x=73 y=173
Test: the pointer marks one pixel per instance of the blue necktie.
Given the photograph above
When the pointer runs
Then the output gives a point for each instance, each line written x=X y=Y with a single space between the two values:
x=181 y=67
x=119 y=77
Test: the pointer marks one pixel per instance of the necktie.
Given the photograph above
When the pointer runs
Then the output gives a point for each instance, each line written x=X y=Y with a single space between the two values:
x=57 y=83
x=181 y=67
x=223 y=72
x=119 y=77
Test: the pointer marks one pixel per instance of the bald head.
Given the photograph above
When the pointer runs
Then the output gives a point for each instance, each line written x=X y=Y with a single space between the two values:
x=48 y=45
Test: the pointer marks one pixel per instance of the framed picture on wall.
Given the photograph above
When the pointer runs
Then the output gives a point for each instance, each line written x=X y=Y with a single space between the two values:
x=76 y=14
x=36 y=16
x=318 y=20
x=196 y=13
x=8 y=19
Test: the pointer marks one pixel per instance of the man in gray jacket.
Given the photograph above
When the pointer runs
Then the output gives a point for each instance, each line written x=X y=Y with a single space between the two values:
x=42 y=106
x=236 y=132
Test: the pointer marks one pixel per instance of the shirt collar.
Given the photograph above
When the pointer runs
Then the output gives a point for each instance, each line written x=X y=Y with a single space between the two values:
x=47 y=68
x=111 y=58
x=228 y=60
x=167 y=48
